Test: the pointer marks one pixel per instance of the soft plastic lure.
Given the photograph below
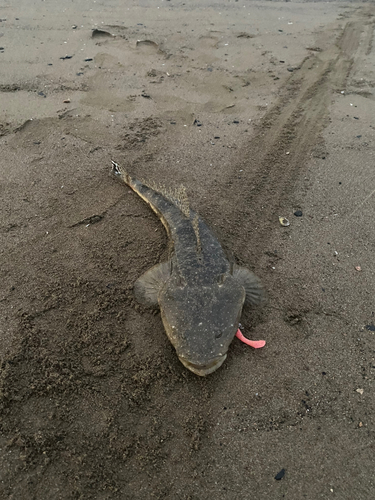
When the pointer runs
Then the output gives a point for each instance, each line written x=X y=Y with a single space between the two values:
x=257 y=344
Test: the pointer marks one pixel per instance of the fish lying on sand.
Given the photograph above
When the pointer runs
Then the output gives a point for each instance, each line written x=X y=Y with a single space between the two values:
x=199 y=292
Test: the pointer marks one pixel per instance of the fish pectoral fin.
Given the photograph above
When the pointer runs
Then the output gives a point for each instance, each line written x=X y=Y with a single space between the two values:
x=253 y=287
x=147 y=287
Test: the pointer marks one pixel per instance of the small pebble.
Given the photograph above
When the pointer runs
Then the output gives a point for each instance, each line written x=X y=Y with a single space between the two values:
x=298 y=213
x=280 y=475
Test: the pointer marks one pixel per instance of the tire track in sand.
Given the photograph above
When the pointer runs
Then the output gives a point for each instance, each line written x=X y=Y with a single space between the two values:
x=287 y=135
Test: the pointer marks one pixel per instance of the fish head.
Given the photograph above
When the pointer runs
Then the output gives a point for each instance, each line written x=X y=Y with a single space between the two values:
x=201 y=321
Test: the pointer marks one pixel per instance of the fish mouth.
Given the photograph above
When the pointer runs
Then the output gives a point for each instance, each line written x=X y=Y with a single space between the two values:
x=206 y=369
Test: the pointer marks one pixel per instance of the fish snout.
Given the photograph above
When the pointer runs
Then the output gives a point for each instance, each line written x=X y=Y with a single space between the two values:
x=203 y=369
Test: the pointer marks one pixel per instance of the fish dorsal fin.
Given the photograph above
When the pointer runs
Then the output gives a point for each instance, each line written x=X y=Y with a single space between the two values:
x=177 y=196
x=147 y=287
x=253 y=288
x=195 y=224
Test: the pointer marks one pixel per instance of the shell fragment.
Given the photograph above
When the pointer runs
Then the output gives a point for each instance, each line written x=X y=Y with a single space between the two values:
x=284 y=221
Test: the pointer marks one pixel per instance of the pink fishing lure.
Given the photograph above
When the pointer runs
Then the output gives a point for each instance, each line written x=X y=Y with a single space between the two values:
x=257 y=344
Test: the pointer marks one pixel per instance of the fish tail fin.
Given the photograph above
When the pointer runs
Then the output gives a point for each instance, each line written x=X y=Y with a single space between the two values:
x=121 y=173
x=177 y=196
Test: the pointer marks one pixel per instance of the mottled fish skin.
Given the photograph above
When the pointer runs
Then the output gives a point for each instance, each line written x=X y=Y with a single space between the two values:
x=200 y=295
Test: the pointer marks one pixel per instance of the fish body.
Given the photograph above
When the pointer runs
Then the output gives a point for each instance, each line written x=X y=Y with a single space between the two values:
x=199 y=293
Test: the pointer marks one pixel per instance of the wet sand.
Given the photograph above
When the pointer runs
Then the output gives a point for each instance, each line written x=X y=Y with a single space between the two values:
x=260 y=109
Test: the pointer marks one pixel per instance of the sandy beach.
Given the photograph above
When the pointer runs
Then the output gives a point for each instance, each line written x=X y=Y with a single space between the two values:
x=262 y=110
